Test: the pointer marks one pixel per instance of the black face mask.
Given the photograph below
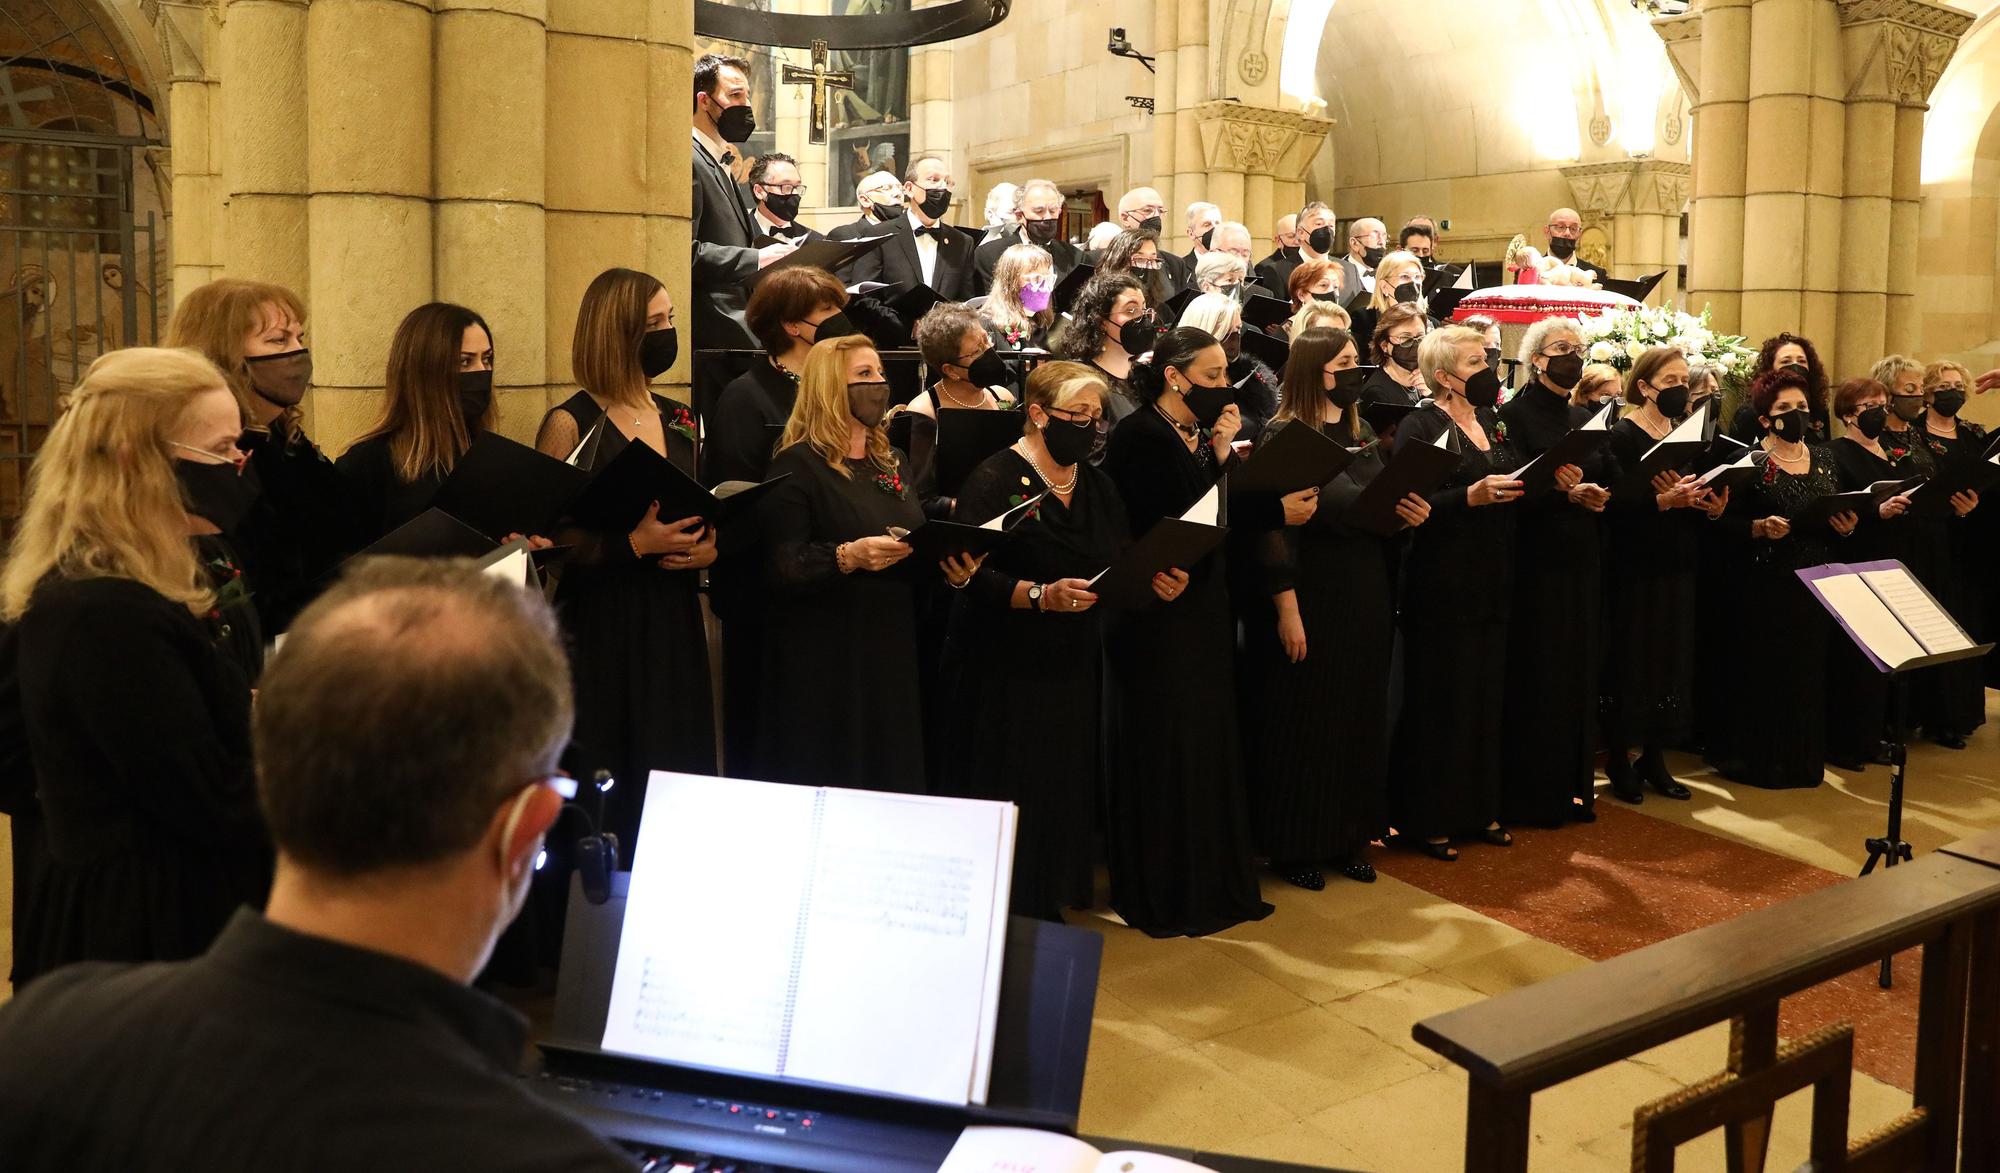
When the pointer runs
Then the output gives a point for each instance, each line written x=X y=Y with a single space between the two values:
x=736 y=123
x=1347 y=386
x=836 y=326
x=1232 y=345
x=1671 y=401
x=883 y=213
x=1042 y=231
x=868 y=402
x=1320 y=240
x=475 y=396
x=1872 y=420
x=783 y=208
x=1150 y=224
x=1373 y=256
x=221 y=494
x=1482 y=388
x=1330 y=297
x=1493 y=359
x=1947 y=401
x=1208 y=403
x=1563 y=370
x=280 y=378
x=1908 y=408
x=988 y=370
x=1405 y=354
x=1208 y=239
x=1409 y=291
x=1800 y=367
x=1071 y=441
x=1789 y=427
x=1562 y=248
x=657 y=351
x=937 y=201
x=1137 y=336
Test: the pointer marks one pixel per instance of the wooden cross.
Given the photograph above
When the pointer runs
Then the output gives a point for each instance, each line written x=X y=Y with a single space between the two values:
x=821 y=81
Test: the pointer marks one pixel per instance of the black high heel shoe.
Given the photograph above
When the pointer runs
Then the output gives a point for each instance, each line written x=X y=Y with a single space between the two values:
x=1497 y=836
x=1439 y=851
x=1357 y=869
x=1652 y=766
x=1300 y=876
x=1623 y=784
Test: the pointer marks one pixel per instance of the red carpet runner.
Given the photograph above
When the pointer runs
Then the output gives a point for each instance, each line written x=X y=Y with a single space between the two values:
x=1625 y=881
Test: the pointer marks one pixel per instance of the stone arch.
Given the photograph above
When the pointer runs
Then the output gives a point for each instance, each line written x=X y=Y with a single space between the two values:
x=1958 y=264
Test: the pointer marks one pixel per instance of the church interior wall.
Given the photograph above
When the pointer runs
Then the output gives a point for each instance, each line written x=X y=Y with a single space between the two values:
x=1958 y=296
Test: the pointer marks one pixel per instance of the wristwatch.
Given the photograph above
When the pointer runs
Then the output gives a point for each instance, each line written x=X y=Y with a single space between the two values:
x=1035 y=595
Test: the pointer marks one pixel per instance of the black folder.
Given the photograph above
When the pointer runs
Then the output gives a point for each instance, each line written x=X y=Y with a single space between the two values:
x=966 y=437
x=432 y=534
x=1173 y=543
x=501 y=487
x=1272 y=352
x=1636 y=290
x=623 y=488
x=1730 y=476
x=1384 y=416
x=1415 y=468
x=937 y=539
x=1821 y=510
x=1265 y=312
x=1574 y=447
x=1663 y=455
x=822 y=254
x=1933 y=497
x=1299 y=456
x=1071 y=285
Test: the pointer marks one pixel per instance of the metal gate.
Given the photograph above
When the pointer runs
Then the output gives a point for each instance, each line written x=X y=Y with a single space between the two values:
x=79 y=275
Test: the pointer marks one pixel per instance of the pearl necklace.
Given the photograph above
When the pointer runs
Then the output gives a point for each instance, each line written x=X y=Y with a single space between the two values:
x=1059 y=490
x=955 y=401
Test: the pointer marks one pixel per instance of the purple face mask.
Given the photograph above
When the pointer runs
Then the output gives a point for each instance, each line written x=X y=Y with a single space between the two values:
x=1034 y=298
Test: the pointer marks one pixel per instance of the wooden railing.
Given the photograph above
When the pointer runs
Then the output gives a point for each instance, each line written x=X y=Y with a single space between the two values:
x=1521 y=1042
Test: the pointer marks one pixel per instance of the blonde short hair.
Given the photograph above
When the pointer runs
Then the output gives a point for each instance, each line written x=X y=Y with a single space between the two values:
x=1595 y=376
x=1319 y=313
x=1218 y=315
x=1384 y=295
x=1888 y=367
x=1934 y=374
x=1439 y=351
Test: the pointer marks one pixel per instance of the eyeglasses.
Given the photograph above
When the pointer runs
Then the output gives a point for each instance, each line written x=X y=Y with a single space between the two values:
x=235 y=455
x=1076 y=417
x=1566 y=231
x=784 y=188
x=1144 y=263
x=1559 y=349
x=1949 y=387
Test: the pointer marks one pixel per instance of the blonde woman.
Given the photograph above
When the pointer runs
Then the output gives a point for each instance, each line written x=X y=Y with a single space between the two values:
x=1315 y=314
x=1016 y=310
x=305 y=522
x=1255 y=382
x=1599 y=384
x=126 y=717
x=629 y=602
x=1396 y=276
x=1028 y=620
x=840 y=668
x=1958 y=705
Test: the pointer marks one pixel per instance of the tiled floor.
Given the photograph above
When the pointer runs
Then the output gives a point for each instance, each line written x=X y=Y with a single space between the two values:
x=1290 y=1038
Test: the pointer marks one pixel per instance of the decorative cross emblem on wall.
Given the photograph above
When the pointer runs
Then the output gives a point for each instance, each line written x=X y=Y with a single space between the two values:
x=821 y=80
x=15 y=102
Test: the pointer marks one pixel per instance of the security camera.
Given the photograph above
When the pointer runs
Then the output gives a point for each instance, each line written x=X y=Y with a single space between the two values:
x=1118 y=46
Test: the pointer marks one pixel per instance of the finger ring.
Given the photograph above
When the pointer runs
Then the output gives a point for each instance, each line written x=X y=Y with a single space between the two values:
x=1072 y=604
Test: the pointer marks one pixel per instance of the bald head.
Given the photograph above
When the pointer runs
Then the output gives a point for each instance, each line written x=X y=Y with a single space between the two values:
x=1563 y=229
x=1285 y=234
x=1138 y=206
x=1364 y=234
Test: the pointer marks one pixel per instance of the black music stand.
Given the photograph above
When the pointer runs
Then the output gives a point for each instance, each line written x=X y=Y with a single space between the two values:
x=1859 y=603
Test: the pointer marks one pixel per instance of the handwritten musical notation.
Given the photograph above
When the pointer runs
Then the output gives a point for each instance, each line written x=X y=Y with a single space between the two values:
x=901 y=889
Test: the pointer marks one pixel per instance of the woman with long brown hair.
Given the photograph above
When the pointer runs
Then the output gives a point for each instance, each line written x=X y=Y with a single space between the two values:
x=303 y=523
x=840 y=666
x=1317 y=686
x=120 y=695
x=629 y=602
x=439 y=396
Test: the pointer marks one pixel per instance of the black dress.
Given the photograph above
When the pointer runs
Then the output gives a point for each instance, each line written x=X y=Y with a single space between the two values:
x=1120 y=400
x=135 y=718
x=1549 y=747
x=1857 y=694
x=1256 y=395
x=638 y=651
x=741 y=433
x=1044 y=756
x=383 y=500
x=1457 y=595
x=1744 y=426
x=1319 y=740
x=1650 y=599
x=302 y=527
x=1953 y=699
x=1780 y=709
x=1177 y=830
x=840 y=704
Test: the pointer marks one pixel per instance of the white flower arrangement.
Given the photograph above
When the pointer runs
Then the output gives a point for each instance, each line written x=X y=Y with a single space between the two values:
x=1621 y=336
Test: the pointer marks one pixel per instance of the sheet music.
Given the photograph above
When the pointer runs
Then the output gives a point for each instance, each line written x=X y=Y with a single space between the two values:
x=577 y=451
x=987 y=1149
x=1690 y=429
x=1869 y=619
x=1742 y=461
x=1000 y=521
x=840 y=936
x=1917 y=611
x=511 y=567
x=1208 y=509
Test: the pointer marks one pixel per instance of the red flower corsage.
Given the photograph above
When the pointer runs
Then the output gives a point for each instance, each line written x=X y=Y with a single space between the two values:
x=1500 y=430
x=1016 y=501
x=1770 y=471
x=683 y=421
x=890 y=483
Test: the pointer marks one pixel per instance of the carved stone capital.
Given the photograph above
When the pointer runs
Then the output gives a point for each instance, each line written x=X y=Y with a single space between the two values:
x=1896 y=49
x=1682 y=37
x=183 y=27
x=1258 y=140
x=1633 y=187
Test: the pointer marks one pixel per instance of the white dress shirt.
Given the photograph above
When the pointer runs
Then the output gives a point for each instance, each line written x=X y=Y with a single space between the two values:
x=927 y=248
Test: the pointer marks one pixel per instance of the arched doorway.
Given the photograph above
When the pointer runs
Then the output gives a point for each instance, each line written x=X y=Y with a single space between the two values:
x=80 y=242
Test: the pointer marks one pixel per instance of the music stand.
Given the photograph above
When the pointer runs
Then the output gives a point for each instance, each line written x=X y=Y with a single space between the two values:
x=1901 y=629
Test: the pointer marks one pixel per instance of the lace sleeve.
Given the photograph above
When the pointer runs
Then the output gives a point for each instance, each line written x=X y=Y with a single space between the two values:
x=795 y=560
x=557 y=436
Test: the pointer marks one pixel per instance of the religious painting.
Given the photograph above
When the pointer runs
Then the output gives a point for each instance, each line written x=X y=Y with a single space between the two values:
x=763 y=88
x=869 y=127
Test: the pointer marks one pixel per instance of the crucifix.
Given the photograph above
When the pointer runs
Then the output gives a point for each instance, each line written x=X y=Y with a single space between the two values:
x=821 y=80
x=16 y=101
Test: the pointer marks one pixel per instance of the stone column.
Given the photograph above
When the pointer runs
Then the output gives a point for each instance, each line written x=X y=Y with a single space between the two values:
x=1191 y=88
x=1641 y=201
x=1166 y=118
x=369 y=160
x=669 y=168
x=189 y=35
x=264 y=134
x=491 y=176
x=1710 y=50
x=1261 y=152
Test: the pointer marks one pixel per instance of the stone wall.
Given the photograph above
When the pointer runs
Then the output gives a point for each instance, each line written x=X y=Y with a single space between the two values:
x=378 y=154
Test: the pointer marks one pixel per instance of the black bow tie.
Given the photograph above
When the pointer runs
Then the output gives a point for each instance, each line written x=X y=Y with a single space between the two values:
x=728 y=157
x=788 y=231
x=938 y=233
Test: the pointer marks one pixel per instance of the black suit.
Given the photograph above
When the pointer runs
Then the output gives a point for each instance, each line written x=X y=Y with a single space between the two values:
x=1275 y=273
x=866 y=226
x=723 y=256
x=986 y=258
x=795 y=233
x=1177 y=272
x=896 y=261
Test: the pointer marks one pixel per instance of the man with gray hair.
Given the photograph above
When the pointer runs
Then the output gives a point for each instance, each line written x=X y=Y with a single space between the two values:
x=1367 y=244
x=406 y=739
x=1203 y=218
x=879 y=195
x=1233 y=239
x=1040 y=221
x=1003 y=210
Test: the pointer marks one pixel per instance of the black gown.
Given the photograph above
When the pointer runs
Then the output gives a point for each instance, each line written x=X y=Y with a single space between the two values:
x=133 y=716
x=1318 y=730
x=1780 y=709
x=840 y=704
x=1119 y=399
x=1650 y=599
x=1457 y=595
x=1954 y=696
x=1549 y=746
x=383 y=500
x=639 y=654
x=1177 y=829
x=1857 y=694
x=1024 y=689
x=302 y=526
x=740 y=435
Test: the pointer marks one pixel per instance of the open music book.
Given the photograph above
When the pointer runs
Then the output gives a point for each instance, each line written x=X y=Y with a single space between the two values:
x=841 y=937
x=1890 y=615
x=1027 y=1150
